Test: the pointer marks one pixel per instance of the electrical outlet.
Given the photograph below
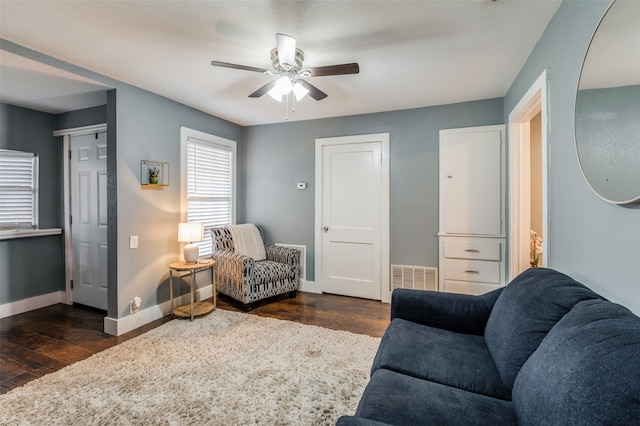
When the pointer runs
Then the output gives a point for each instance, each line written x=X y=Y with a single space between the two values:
x=134 y=305
x=133 y=241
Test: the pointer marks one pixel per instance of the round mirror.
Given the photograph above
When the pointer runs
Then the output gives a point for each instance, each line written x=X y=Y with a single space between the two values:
x=607 y=116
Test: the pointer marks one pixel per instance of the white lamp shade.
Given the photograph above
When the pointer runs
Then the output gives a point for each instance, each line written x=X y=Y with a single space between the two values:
x=190 y=232
x=282 y=87
x=299 y=90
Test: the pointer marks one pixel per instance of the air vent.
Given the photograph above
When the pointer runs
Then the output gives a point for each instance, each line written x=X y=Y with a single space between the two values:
x=414 y=277
x=303 y=257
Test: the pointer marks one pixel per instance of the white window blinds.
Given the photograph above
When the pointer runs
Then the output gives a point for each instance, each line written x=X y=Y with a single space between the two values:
x=18 y=189
x=209 y=187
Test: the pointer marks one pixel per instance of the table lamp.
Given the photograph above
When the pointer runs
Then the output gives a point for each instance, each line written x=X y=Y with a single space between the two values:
x=189 y=233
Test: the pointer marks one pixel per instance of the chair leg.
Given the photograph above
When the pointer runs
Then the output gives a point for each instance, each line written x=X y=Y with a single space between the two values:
x=292 y=294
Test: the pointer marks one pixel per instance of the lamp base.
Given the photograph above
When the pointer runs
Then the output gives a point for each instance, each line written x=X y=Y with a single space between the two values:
x=191 y=253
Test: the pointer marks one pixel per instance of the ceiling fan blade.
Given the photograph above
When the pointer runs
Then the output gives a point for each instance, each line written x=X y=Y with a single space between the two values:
x=286 y=50
x=314 y=92
x=264 y=89
x=352 y=68
x=238 y=67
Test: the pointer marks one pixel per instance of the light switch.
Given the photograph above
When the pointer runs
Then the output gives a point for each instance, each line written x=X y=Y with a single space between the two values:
x=133 y=241
x=302 y=185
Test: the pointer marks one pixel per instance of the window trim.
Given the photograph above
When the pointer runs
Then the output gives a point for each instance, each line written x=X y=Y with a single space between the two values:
x=185 y=135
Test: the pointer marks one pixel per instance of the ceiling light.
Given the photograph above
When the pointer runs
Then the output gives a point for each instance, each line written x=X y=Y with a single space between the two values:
x=282 y=88
x=299 y=91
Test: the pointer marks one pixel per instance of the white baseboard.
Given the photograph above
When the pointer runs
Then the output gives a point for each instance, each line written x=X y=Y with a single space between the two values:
x=310 y=287
x=31 y=303
x=119 y=326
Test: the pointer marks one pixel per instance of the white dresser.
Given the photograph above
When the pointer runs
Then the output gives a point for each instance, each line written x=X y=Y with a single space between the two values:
x=472 y=243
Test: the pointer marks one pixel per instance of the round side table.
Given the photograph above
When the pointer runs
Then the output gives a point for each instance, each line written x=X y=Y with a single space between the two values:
x=194 y=308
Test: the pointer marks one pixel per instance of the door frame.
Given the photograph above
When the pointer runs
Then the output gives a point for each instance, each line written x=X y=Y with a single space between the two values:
x=383 y=138
x=66 y=135
x=534 y=101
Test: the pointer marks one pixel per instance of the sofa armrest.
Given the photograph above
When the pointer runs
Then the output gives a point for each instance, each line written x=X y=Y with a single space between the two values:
x=450 y=311
x=358 y=421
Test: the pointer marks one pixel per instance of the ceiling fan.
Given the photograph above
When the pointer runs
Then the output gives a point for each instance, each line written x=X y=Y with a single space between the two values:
x=287 y=65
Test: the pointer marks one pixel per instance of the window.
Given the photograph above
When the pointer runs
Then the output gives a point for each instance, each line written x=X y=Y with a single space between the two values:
x=207 y=182
x=18 y=190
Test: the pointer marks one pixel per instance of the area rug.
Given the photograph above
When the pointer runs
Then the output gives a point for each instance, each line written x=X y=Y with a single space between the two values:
x=227 y=368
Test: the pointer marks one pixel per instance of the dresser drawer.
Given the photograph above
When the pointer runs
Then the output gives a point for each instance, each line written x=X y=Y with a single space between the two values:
x=472 y=270
x=470 y=249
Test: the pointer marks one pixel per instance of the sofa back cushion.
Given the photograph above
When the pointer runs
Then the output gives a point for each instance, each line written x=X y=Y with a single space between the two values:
x=524 y=313
x=586 y=371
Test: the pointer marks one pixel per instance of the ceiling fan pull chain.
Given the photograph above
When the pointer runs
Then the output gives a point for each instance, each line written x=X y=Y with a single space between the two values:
x=287 y=107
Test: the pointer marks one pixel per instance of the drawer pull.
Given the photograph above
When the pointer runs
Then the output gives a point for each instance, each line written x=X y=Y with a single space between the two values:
x=472 y=272
x=472 y=251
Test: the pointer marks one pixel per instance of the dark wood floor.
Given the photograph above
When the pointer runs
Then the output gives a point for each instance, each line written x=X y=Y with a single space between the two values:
x=43 y=341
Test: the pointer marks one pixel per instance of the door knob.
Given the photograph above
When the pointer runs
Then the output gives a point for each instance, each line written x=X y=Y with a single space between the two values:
x=325 y=228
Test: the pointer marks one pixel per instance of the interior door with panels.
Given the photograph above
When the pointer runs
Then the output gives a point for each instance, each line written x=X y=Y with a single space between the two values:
x=88 y=166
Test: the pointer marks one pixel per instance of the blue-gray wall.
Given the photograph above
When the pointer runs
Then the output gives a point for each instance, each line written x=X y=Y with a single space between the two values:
x=148 y=128
x=81 y=118
x=277 y=156
x=595 y=242
x=23 y=129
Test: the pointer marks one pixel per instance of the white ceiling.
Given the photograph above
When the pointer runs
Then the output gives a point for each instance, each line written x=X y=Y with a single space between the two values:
x=411 y=53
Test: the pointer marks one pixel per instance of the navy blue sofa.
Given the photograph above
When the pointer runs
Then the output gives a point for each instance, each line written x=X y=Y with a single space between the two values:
x=543 y=350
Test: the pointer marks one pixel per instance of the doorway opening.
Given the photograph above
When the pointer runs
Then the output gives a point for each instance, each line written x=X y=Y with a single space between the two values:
x=528 y=240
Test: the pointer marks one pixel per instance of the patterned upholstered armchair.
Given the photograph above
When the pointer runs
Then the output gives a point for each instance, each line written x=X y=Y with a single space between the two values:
x=247 y=280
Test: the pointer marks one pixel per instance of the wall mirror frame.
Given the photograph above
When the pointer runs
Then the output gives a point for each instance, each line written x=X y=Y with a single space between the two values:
x=607 y=108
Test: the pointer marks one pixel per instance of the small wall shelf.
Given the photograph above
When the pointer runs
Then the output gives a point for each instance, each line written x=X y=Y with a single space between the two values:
x=154 y=173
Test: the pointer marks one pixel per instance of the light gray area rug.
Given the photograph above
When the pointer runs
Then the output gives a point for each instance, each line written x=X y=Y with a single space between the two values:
x=227 y=368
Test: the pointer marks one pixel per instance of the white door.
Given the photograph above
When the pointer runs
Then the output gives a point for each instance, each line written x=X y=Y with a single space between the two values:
x=351 y=219
x=88 y=169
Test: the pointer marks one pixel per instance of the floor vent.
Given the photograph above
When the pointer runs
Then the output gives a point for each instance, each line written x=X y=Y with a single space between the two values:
x=303 y=257
x=415 y=277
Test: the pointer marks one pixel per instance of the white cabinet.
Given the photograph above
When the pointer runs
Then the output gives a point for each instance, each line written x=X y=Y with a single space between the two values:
x=472 y=207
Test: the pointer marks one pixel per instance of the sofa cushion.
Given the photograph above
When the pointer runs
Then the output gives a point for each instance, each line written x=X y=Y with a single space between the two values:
x=524 y=313
x=454 y=359
x=586 y=371
x=399 y=399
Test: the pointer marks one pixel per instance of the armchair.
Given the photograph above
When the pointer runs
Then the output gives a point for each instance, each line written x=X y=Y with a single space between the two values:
x=248 y=280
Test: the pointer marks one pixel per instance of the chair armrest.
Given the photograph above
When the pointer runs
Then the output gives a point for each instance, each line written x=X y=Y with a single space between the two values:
x=228 y=262
x=287 y=255
x=450 y=311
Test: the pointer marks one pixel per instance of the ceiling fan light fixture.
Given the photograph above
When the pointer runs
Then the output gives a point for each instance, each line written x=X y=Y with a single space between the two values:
x=282 y=88
x=275 y=95
x=299 y=91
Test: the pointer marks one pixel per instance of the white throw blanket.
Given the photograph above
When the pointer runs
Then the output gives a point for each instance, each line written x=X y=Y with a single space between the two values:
x=247 y=241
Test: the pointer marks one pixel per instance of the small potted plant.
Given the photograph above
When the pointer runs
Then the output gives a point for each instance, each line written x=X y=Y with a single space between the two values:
x=153 y=175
